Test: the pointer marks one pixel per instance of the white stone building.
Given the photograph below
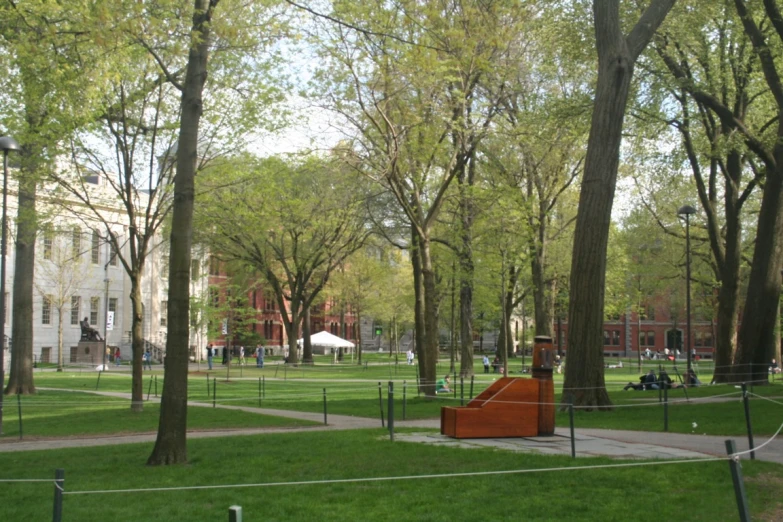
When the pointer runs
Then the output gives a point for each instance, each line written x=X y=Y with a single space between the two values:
x=71 y=247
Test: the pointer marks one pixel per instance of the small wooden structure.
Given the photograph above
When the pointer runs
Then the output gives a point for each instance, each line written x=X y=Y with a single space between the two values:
x=511 y=406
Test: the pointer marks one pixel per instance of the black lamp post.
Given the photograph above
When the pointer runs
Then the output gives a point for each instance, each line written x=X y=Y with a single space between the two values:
x=687 y=211
x=6 y=144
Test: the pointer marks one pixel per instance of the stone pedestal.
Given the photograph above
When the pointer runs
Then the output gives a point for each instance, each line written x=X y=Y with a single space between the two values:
x=90 y=352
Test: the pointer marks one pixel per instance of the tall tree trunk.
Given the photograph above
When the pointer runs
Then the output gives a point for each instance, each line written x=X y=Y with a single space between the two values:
x=728 y=294
x=513 y=274
x=359 y=337
x=756 y=340
x=137 y=341
x=21 y=378
x=543 y=299
x=466 y=180
x=307 y=350
x=171 y=443
x=466 y=321
x=292 y=329
x=430 y=319
x=617 y=54
x=418 y=312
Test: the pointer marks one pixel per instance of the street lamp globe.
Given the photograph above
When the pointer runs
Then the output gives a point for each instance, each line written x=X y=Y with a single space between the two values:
x=7 y=143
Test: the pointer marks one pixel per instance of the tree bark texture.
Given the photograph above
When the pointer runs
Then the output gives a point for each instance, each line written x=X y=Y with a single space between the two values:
x=418 y=287
x=137 y=341
x=20 y=379
x=756 y=341
x=171 y=444
x=307 y=349
x=467 y=209
x=429 y=375
x=584 y=378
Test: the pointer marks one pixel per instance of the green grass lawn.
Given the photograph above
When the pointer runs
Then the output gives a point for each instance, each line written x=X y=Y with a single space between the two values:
x=702 y=490
x=64 y=414
x=359 y=397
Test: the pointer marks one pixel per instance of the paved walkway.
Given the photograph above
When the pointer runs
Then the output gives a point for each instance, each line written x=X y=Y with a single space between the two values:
x=588 y=442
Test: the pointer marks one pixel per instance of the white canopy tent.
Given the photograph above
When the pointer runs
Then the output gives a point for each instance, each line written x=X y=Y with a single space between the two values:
x=327 y=342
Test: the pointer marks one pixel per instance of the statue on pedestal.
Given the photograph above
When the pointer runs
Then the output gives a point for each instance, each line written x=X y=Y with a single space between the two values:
x=88 y=332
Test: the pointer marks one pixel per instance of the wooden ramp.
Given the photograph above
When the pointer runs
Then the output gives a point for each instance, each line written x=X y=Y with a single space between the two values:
x=508 y=408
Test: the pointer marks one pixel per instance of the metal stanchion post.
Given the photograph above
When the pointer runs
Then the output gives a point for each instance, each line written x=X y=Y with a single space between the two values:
x=739 y=483
x=747 y=421
x=380 y=403
x=391 y=410
x=59 y=487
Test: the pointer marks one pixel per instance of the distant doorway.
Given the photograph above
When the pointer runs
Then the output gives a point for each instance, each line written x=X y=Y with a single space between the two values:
x=674 y=340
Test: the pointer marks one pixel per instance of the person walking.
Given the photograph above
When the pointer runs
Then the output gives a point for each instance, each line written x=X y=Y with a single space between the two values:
x=117 y=357
x=225 y=355
x=210 y=355
x=486 y=364
x=147 y=360
x=241 y=356
x=259 y=356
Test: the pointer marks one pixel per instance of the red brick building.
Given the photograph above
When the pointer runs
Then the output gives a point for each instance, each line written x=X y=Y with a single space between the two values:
x=267 y=321
x=657 y=329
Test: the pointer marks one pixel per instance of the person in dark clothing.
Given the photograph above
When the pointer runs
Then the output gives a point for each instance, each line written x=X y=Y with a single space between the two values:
x=664 y=380
x=646 y=382
x=225 y=356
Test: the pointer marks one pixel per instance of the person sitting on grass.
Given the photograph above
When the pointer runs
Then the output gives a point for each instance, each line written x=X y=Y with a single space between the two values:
x=442 y=386
x=773 y=367
x=691 y=379
x=646 y=382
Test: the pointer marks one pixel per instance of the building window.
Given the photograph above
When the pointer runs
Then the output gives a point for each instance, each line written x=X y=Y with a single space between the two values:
x=164 y=267
x=96 y=248
x=708 y=339
x=95 y=304
x=269 y=302
x=46 y=310
x=607 y=338
x=214 y=297
x=46 y=354
x=48 y=243
x=112 y=255
x=113 y=304
x=75 y=303
x=214 y=266
x=647 y=338
x=76 y=243
x=195 y=264
x=615 y=337
x=164 y=311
